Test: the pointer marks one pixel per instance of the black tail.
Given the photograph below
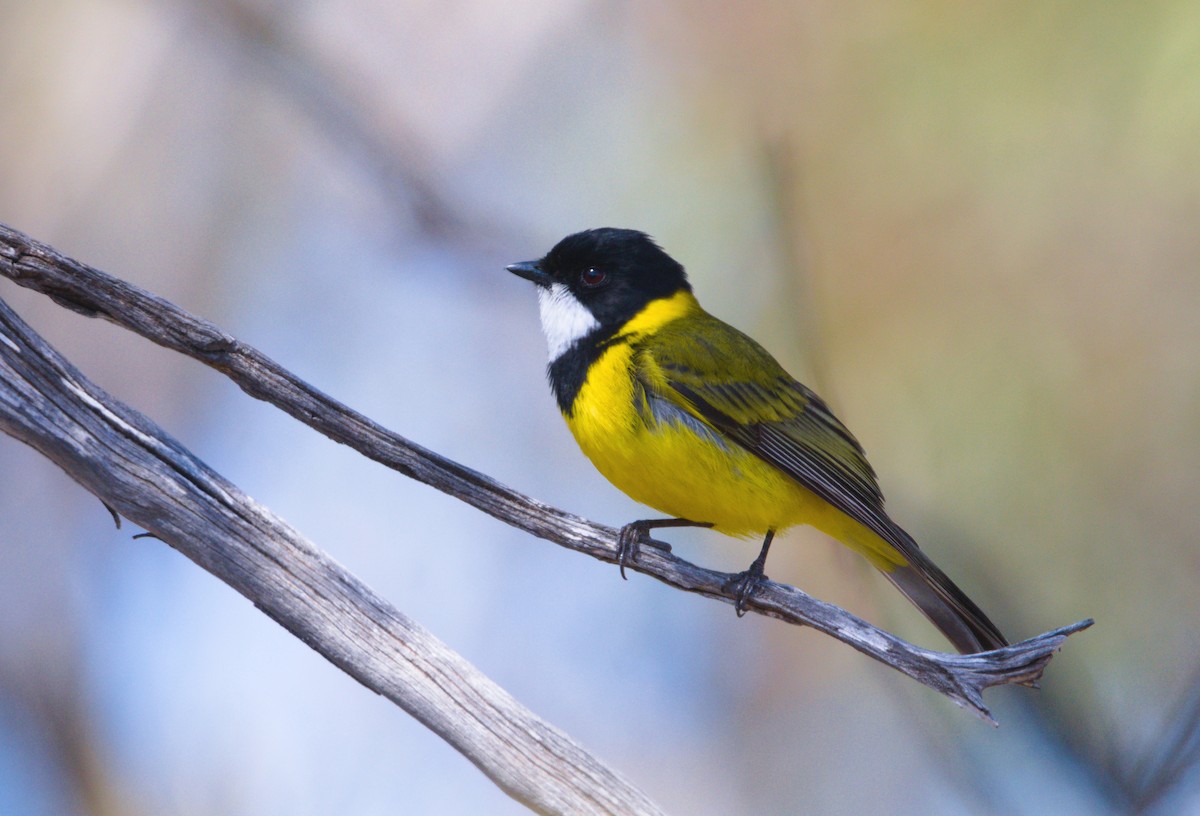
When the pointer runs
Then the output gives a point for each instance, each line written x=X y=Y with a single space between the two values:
x=947 y=606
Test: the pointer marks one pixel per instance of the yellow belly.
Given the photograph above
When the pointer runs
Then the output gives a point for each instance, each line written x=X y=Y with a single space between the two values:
x=685 y=472
x=677 y=471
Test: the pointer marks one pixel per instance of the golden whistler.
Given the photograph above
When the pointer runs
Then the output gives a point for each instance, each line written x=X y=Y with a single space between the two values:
x=688 y=415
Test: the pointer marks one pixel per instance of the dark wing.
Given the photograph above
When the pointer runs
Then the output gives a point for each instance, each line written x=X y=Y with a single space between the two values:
x=725 y=379
x=709 y=371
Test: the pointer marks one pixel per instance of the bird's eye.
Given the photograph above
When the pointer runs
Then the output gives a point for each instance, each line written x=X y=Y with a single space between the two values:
x=592 y=277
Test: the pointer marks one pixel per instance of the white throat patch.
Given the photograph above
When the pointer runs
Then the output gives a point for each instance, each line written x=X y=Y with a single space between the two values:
x=564 y=319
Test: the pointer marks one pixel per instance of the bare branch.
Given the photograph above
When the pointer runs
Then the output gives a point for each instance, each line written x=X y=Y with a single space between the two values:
x=960 y=677
x=138 y=470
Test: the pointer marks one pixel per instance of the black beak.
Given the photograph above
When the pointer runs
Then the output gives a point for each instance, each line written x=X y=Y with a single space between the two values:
x=530 y=270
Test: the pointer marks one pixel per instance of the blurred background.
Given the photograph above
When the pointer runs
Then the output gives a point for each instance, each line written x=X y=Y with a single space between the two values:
x=972 y=228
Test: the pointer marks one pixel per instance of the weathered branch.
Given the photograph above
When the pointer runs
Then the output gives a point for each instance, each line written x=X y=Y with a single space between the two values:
x=145 y=475
x=89 y=291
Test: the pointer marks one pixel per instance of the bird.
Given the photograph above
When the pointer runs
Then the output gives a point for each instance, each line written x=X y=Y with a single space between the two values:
x=688 y=415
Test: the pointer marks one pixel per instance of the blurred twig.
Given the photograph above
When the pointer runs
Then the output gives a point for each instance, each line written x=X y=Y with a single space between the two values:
x=782 y=184
x=1126 y=779
x=1168 y=762
x=51 y=700
x=960 y=677
x=392 y=159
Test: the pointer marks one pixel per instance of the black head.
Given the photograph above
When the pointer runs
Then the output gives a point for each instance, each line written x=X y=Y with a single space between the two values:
x=612 y=272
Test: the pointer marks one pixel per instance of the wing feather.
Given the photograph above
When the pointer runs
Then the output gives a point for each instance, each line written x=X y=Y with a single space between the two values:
x=736 y=388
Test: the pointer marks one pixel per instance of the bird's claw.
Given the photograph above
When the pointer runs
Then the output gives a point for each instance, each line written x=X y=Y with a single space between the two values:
x=630 y=540
x=116 y=519
x=744 y=586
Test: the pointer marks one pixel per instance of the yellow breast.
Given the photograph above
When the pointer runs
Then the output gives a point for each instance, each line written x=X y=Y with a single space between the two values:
x=685 y=470
x=674 y=466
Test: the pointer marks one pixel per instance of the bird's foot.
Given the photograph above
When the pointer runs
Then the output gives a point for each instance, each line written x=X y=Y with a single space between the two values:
x=630 y=541
x=637 y=533
x=744 y=586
